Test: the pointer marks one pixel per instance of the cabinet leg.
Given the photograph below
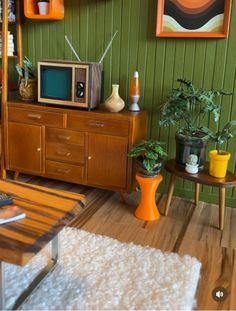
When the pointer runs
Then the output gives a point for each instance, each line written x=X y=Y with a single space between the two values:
x=3 y=172
x=169 y=194
x=122 y=196
x=197 y=191
x=221 y=207
x=16 y=175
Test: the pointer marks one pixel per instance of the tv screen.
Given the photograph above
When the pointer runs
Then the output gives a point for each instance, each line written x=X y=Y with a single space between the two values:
x=56 y=82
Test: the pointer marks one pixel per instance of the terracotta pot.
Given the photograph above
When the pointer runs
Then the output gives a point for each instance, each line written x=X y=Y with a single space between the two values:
x=28 y=90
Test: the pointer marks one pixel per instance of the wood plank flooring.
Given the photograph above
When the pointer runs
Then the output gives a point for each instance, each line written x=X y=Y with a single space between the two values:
x=186 y=230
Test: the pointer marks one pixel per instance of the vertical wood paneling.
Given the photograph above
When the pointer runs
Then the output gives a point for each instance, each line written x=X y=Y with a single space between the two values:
x=90 y=25
x=142 y=49
x=116 y=45
x=134 y=38
x=150 y=65
x=108 y=33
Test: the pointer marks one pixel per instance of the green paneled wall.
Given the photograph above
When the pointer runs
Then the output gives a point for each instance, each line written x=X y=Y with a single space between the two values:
x=160 y=61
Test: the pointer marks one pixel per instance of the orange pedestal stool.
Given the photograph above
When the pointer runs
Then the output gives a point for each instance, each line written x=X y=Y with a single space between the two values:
x=147 y=208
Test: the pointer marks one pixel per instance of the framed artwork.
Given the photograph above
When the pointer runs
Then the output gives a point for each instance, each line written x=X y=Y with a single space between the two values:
x=193 y=18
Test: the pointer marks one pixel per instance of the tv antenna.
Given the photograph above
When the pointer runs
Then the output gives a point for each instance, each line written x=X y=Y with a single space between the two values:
x=108 y=47
x=72 y=48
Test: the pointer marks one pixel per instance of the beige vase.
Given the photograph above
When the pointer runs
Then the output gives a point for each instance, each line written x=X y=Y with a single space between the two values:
x=28 y=91
x=114 y=103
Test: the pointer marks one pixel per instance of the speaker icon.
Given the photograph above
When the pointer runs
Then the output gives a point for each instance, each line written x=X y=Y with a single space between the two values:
x=219 y=293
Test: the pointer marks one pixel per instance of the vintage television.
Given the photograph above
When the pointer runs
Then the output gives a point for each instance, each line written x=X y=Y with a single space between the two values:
x=69 y=83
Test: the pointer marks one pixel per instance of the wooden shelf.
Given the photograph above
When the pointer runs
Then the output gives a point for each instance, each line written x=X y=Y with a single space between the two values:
x=11 y=87
x=11 y=56
x=56 y=10
x=8 y=22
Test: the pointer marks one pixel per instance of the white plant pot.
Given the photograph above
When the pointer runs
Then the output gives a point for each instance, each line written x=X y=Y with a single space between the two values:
x=43 y=8
x=191 y=169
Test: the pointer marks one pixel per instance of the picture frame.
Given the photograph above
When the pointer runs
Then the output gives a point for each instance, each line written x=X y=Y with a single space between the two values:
x=196 y=19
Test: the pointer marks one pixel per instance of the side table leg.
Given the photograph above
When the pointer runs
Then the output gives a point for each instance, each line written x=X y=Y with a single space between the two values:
x=122 y=197
x=221 y=207
x=169 y=194
x=197 y=191
x=2 y=286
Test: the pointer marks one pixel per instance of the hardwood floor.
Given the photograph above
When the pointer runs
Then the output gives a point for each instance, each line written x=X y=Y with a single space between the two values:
x=186 y=230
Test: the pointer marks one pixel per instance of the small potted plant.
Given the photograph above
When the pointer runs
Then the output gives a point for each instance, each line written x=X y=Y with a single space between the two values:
x=192 y=164
x=27 y=80
x=187 y=108
x=219 y=157
x=150 y=155
x=43 y=6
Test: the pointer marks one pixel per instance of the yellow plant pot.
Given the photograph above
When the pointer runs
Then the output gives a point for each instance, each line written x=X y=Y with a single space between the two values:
x=218 y=163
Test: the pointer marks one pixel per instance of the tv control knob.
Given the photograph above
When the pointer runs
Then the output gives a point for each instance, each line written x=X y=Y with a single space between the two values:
x=89 y=157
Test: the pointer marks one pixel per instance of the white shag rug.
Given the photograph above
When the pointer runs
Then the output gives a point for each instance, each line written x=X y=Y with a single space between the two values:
x=100 y=273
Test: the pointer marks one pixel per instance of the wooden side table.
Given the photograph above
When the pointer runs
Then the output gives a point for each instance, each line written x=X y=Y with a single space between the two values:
x=201 y=178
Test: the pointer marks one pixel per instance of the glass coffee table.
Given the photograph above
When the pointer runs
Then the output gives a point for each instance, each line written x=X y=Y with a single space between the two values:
x=47 y=212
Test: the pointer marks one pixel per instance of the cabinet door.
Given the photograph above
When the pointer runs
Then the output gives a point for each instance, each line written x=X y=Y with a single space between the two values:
x=24 y=147
x=107 y=160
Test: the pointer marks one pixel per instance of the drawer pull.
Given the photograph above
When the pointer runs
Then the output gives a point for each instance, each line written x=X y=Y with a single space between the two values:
x=96 y=124
x=89 y=158
x=63 y=137
x=63 y=153
x=38 y=149
x=34 y=116
x=63 y=170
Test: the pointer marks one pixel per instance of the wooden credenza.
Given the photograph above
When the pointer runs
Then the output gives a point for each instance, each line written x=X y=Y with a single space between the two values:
x=83 y=147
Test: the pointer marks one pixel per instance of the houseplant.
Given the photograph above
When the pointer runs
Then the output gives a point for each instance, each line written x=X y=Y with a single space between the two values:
x=219 y=157
x=187 y=108
x=27 y=80
x=149 y=155
x=43 y=6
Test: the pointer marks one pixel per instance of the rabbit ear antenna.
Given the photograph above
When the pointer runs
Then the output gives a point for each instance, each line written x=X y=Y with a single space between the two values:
x=108 y=47
x=72 y=48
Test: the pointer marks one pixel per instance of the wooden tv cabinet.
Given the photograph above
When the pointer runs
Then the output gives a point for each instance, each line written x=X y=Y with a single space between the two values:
x=84 y=147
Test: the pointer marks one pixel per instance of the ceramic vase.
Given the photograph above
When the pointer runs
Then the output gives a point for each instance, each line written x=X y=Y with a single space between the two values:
x=114 y=103
x=43 y=8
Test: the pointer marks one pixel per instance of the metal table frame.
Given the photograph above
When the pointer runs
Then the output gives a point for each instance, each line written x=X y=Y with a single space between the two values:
x=37 y=280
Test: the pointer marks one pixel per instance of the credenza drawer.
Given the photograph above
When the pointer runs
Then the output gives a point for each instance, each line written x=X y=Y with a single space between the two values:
x=98 y=125
x=65 y=152
x=66 y=172
x=64 y=136
x=35 y=117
